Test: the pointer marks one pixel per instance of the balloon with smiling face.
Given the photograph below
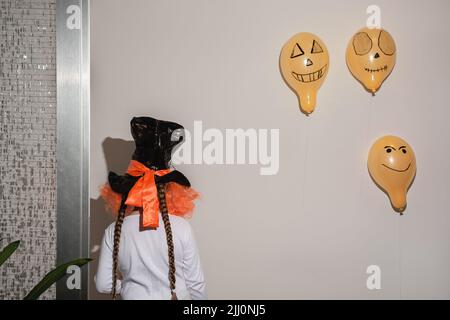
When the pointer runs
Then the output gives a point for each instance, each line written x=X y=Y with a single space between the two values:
x=371 y=56
x=304 y=63
x=392 y=165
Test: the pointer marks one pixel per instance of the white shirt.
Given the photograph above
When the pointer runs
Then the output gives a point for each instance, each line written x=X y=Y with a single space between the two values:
x=143 y=262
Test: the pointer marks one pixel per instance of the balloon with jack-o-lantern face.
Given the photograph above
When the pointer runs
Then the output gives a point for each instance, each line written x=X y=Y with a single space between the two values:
x=371 y=56
x=304 y=64
x=392 y=165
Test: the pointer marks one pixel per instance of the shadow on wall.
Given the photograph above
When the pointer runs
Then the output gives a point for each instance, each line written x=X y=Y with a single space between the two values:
x=117 y=154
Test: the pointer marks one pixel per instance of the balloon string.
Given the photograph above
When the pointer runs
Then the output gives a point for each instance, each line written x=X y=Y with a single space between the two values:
x=400 y=257
x=369 y=120
x=366 y=140
x=305 y=160
x=364 y=173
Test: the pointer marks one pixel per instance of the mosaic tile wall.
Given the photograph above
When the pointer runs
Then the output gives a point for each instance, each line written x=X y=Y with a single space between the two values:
x=28 y=143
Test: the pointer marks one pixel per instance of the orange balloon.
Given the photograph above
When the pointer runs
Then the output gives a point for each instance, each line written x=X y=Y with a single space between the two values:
x=304 y=64
x=371 y=56
x=392 y=165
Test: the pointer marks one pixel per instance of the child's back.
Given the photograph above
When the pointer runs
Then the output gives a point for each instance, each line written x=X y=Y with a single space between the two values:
x=143 y=261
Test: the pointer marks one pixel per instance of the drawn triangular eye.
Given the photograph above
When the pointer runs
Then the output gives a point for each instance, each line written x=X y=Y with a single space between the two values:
x=297 y=51
x=316 y=48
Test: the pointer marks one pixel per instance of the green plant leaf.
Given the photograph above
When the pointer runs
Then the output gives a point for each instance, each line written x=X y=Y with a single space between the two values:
x=53 y=276
x=9 y=250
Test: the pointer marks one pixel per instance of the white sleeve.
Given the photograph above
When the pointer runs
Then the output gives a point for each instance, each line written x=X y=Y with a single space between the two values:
x=103 y=278
x=192 y=269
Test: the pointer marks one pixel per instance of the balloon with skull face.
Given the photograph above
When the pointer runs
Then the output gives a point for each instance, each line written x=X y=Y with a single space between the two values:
x=371 y=56
x=304 y=63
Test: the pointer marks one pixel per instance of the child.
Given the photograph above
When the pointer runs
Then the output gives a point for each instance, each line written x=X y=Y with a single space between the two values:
x=153 y=262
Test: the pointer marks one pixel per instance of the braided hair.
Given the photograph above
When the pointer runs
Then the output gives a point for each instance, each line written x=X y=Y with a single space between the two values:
x=165 y=216
x=117 y=232
x=118 y=229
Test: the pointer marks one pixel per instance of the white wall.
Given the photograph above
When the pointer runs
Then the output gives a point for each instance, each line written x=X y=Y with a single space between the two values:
x=311 y=230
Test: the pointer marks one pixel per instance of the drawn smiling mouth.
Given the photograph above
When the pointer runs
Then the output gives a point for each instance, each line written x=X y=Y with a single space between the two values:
x=396 y=169
x=376 y=70
x=309 y=77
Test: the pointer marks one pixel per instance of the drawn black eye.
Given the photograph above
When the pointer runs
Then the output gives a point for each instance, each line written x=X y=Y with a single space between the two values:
x=404 y=150
x=362 y=43
x=297 y=51
x=316 y=48
x=388 y=150
x=386 y=43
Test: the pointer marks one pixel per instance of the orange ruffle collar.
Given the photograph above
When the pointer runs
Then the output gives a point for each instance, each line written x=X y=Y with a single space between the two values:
x=144 y=195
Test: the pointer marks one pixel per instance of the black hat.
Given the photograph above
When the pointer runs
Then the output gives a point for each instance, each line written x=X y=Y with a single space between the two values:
x=155 y=142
